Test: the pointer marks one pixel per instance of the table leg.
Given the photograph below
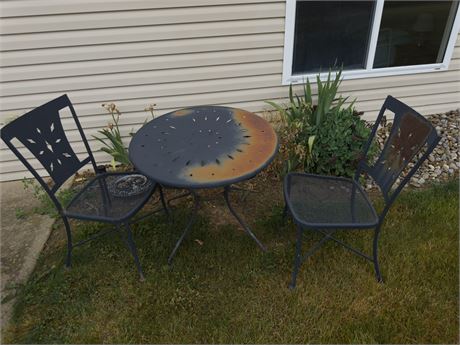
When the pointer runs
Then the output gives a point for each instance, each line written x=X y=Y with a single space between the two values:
x=183 y=195
x=187 y=228
x=238 y=218
x=245 y=192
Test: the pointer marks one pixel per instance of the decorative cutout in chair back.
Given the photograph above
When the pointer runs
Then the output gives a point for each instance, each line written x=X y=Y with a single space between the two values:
x=409 y=134
x=42 y=133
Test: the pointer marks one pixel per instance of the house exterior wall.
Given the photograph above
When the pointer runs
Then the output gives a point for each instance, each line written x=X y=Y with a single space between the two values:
x=168 y=52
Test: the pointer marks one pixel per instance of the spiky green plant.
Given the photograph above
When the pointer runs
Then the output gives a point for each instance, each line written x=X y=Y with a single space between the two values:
x=328 y=101
x=295 y=111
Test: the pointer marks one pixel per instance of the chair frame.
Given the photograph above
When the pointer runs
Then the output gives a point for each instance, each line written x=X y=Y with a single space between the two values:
x=385 y=185
x=122 y=225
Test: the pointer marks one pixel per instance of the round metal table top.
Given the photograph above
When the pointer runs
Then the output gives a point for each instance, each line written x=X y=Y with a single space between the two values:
x=203 y=147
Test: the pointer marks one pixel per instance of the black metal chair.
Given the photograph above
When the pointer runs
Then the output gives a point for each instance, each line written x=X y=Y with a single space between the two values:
x=42 y=133
x=327 y=204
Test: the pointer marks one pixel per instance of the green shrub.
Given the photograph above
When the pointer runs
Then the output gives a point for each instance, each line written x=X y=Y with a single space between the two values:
x=326 y=137
x=339 y=143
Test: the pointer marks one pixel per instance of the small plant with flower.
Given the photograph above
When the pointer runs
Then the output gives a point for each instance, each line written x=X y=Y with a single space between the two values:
x=111 y=137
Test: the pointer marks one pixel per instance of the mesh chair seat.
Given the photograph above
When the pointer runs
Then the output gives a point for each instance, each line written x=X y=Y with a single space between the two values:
x=328 y=202
x=99 y=200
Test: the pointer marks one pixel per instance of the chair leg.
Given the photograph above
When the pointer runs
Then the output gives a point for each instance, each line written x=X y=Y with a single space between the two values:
x=375 y=255
x=132 y=248
x=68 y=262
x=297 y=259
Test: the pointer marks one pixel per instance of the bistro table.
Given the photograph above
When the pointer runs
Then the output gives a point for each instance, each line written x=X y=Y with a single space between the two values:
x=204 y=147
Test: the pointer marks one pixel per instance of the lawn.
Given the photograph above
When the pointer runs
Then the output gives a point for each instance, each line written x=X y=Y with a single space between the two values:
x=223 y=289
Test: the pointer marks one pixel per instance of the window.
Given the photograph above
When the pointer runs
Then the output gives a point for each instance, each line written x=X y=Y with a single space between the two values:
x=368 y=38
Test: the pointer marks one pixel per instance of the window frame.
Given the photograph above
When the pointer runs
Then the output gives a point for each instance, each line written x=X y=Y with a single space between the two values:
x=288 y=78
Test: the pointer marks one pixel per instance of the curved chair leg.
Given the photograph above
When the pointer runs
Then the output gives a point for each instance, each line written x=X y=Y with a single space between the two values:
x=68 y=262
x=297 y=259
x=133 y=250
x=375 y=254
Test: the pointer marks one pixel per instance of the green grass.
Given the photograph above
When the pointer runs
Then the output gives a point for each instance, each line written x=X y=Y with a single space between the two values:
x=46 y=205
x=226 y=290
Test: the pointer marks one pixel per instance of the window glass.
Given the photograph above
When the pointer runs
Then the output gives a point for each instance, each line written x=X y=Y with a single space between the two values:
x=414 y=32
x=331 y=32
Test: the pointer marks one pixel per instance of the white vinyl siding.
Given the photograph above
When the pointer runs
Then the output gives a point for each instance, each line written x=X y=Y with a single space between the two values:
x=172 y=53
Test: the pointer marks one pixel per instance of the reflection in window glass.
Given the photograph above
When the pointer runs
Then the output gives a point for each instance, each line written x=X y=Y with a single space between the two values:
x=414 y=32
x=331 y=32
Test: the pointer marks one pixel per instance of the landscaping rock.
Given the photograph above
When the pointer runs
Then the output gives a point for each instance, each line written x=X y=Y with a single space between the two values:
x=443 y=163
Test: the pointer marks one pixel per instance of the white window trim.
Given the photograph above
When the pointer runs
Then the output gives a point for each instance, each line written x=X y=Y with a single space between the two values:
x=288 y=78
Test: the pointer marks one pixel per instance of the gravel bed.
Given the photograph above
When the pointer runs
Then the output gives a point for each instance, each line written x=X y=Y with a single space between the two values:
x=443 y=163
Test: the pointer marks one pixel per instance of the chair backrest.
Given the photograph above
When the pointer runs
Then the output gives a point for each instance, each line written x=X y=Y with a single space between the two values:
x=41 y=132
x=409 y=134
